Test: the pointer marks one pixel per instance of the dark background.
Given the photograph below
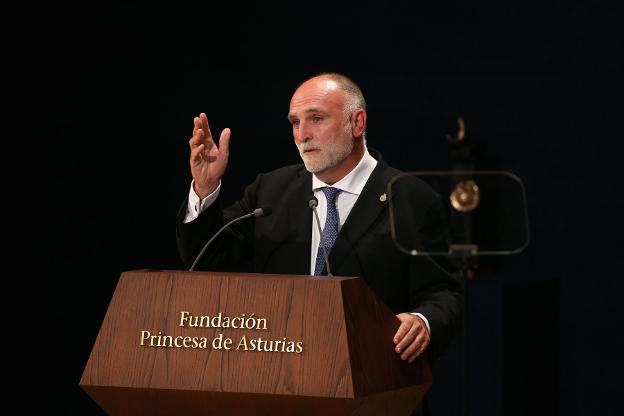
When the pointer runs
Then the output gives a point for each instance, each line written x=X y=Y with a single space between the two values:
x=105 y=95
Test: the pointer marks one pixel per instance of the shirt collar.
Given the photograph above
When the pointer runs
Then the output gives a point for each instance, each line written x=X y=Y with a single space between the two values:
x=355 y=180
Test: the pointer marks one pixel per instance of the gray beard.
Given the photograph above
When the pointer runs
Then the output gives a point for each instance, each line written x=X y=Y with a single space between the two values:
x=332 y=155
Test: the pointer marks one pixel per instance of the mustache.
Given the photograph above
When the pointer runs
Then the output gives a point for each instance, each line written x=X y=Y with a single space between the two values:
x=304 y=147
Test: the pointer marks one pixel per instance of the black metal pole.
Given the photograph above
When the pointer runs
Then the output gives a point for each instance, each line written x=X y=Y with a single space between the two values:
x=464 y=268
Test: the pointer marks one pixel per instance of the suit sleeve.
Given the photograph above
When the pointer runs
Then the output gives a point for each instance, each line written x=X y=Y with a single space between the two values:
x=435 y=286
x=232 y=248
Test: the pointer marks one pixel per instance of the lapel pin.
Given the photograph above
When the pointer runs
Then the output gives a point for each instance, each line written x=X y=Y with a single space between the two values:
x=382 y=198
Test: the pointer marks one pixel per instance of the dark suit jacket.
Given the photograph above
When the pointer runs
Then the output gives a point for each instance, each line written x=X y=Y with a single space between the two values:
x=280 y=243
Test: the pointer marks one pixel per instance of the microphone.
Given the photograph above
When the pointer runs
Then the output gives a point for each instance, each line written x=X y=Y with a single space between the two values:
x=258 y=212
x=313 y=203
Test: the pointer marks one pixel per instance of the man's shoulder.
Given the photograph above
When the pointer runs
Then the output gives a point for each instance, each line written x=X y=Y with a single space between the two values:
x=286 y=171
x=282 y=178
x=411 y=181
x=408 y=182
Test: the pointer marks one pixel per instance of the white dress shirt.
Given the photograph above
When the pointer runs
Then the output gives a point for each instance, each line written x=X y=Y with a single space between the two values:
x=351 y=187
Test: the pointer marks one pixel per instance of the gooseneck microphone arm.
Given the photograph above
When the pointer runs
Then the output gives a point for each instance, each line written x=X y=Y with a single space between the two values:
x=258 y=212
x=313 y=203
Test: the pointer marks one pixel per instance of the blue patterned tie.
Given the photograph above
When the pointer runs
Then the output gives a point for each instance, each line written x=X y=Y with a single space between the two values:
x=330 y=230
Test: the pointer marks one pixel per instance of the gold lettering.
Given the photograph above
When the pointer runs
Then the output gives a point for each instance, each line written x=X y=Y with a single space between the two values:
x=144 y=336
x=227 y=343
x=217 y=342
x=243 y=343
x=262 y=323
x=204 y=321
x=175 y=341
x=216 y=321
x=250 y=322
x=277 y=346
x=183 y=317
x=221 y=321
x=167 y=341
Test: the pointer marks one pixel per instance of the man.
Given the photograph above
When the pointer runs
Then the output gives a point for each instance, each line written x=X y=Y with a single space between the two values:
x=328 y=118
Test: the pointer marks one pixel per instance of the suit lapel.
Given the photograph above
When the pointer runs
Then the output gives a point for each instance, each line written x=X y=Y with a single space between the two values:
x=367 y=208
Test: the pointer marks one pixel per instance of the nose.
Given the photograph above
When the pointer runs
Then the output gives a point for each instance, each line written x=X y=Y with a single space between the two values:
x=302 y=133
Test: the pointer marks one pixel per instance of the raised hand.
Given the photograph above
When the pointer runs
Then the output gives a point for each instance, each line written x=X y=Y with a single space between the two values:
x=208 y=161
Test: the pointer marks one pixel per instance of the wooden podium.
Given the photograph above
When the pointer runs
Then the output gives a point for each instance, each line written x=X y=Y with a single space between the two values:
x=204 y=343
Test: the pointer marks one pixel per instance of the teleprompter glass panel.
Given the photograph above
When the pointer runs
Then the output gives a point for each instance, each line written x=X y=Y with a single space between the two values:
x=474 y=213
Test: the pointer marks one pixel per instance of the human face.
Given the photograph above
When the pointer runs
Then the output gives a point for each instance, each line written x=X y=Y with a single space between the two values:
x=321 y=129
x=318 y=156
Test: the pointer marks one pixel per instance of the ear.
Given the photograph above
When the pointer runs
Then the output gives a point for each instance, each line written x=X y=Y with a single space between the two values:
x=358 y=122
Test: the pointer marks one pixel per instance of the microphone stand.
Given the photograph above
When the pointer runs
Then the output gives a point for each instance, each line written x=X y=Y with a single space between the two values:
x=313 y=203
x=258 y=212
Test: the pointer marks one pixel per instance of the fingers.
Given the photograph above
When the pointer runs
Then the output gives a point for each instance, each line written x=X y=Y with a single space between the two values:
x=419 y=351
x=408 y=338
x=204 y=124
x=197 y=154
x=205 y=152
x=198 y=134
x=401 y=333
x=203 y=135
x=415 y=348
x=411 y=338
x=201 y=122
x=224 y=142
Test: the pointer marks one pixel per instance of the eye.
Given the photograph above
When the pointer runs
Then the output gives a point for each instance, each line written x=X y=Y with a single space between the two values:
x=316 y=119
x=294 y=123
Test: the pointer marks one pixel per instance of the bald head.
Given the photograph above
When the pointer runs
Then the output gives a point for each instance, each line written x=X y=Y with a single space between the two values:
x=354 y=99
